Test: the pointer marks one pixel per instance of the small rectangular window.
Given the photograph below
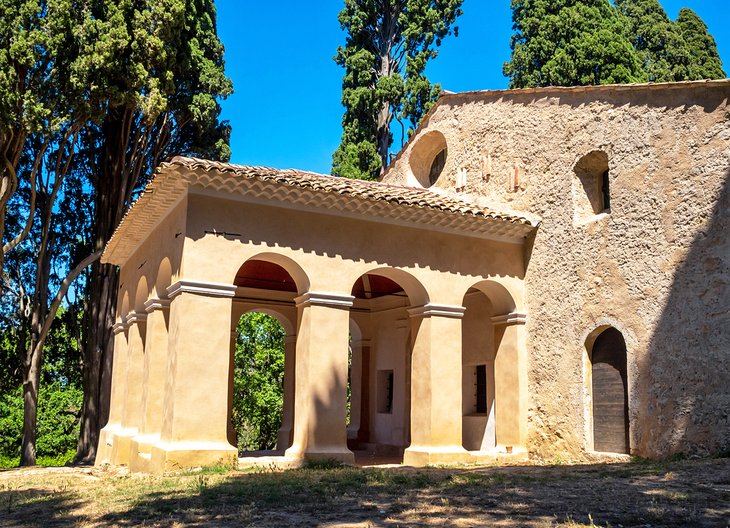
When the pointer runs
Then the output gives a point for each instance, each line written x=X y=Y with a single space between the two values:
x=606 y=193
x=481 y=389
x=385 y=391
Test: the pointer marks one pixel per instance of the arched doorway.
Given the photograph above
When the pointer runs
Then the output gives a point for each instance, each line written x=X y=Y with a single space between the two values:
x=258 y=382
x=263 y=341
x=493 y=370
x=610 y=393
x=478 y=355
x=381 y=346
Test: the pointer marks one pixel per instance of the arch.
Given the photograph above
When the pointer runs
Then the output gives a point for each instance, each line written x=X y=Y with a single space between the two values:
x=124 y=306
x=283 y=320
x=427 y=159
x=141 y=295
x=416 y=292
x=607 y=353
x=295 y=271
x=591 y=194
x=502 y=300
x=163 y=279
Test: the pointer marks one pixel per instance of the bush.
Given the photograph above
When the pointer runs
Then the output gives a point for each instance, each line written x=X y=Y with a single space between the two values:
x=59 y=408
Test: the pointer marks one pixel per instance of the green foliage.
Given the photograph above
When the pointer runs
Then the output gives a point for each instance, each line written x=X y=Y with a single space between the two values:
x=705 y=61
x=581 y=42
x=258 y=381
x=59 y=407
x=657 y=40
x=385 y=56
x=570 y=42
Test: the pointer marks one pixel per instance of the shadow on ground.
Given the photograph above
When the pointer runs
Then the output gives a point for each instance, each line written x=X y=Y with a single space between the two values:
x=689 y=493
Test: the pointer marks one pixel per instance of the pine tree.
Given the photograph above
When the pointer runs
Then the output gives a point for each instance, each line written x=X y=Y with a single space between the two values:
x=389 y=43
x=705 y=62
x=658 y=41
x=570 y=42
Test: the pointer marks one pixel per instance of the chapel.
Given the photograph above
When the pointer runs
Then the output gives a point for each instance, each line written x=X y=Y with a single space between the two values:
x=539 y=272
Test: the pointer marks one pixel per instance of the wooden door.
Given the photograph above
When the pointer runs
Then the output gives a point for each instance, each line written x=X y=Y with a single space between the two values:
x=610 y=394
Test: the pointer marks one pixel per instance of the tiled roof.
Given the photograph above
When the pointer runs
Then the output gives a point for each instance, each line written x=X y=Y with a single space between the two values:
x=373 y=200
x=408 y=196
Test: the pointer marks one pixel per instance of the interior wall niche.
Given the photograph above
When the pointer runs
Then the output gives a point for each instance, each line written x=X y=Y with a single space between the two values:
x=591 y=192
x=428 y=159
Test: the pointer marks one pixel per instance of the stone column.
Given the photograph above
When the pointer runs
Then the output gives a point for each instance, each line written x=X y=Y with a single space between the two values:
x=287 y=414
x=356 y=389
x=116 y=400
x=195 y=413
x=155 y=368
x=436 y=386
x=320 y=401
x=133 y=387
x=510 y=381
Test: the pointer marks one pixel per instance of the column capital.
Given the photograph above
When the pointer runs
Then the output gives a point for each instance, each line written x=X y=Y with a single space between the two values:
x=156 y=303
x=120 y=326
x=334 y=300
x=135 y=318
x=438 y=310
x=208 y=289
x=514 y=318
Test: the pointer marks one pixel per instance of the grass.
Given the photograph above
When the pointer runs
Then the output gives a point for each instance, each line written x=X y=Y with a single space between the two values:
x=329 y=494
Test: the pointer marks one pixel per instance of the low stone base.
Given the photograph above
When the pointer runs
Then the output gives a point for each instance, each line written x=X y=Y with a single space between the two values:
x=141 y=452
x=343 y=455
x=425 y=456
x=184 y=455
x=115 y=446
x=106 y=445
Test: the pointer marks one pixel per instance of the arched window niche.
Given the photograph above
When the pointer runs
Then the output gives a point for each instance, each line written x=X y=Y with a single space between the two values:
x=427 y=159
x=591 y=187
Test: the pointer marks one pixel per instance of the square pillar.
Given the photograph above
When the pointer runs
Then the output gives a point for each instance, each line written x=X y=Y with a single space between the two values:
x=116 y=400
x=436 y=393
x=153 y=391
x=510 y=381
x=132 y=386
x=320 y=400
x=195 y=411
x=286 y=430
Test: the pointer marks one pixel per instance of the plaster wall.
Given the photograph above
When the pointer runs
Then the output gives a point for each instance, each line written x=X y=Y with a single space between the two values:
x=656 y=266
x=332 y=253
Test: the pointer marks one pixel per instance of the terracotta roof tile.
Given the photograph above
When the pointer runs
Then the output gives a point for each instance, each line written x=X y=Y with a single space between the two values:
x=391 y=203
x=369 y=190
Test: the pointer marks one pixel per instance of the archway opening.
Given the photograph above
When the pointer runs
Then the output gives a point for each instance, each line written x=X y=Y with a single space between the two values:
x=258 y=382
x=381 y=344
x=609 y=388
x=491 y=390
x=263 y=342
x=478 y=376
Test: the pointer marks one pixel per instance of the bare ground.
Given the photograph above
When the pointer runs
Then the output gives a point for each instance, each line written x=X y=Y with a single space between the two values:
x=672 y=494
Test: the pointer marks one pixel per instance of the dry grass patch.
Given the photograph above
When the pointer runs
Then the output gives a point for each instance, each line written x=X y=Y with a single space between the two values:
x=561 y=496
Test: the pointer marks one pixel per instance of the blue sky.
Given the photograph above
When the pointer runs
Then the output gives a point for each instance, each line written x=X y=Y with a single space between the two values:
x=286 y=110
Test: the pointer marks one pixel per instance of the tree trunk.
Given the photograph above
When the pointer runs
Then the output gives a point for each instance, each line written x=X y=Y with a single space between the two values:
x=112 y=191
x=31 y=380
x=98 y=353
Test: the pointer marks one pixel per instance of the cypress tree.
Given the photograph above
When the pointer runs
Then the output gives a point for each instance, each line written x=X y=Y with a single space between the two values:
x=388 y=46
x=658 y=41
x=570 y=42
x=705 y=62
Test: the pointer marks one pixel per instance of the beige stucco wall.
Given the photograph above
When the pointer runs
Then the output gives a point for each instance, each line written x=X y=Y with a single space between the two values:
x=657 y=267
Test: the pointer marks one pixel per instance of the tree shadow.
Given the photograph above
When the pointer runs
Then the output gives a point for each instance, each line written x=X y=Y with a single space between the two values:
x=677 y=494
x=686 y=403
